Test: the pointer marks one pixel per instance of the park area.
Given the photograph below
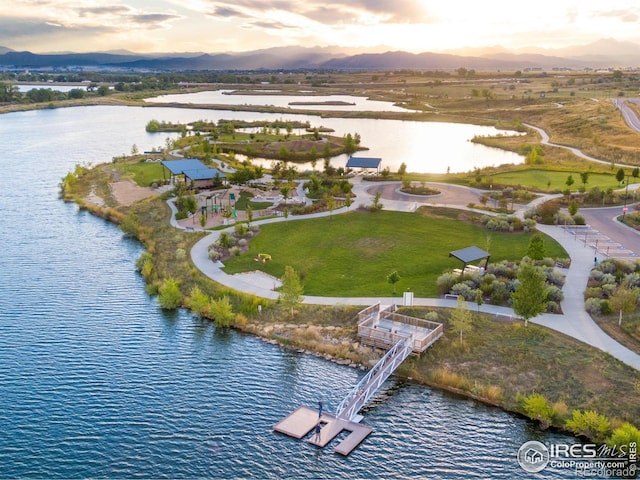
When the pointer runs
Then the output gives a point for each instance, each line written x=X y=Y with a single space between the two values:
x=352 y=254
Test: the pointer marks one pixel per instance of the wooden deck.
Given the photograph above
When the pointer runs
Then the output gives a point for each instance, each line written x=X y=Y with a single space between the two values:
x=381 y=327
x=303 y=420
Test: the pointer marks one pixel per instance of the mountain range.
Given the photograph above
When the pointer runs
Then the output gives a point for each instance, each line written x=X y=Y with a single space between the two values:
x=605 y=53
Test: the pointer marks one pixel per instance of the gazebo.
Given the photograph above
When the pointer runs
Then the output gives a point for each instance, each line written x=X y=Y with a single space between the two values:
x=365 y=163
x=470 y=254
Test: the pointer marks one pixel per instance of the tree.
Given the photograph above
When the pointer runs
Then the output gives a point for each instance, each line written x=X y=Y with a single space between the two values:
x=479 y=299
x=635 y=172
x=393 y=278
x=584 y=176
x=570 y=181
x=620 y=175
x=535 y=250
x=530 y=298
x=573 y=207
x=377 y=204
x=461 y=318
x=403 y=169
x=284 y=190
x=222 y=312
x=169 y=295
x=291 y=290
x=331 y=204
x=624 y=300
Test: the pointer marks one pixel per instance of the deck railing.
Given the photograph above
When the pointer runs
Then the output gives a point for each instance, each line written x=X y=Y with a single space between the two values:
x=378 y=336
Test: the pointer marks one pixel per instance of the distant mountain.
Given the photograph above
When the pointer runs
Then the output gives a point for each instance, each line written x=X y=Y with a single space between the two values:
x=601 y=54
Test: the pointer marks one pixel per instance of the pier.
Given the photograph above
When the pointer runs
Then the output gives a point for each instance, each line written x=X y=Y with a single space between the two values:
x=380 y=327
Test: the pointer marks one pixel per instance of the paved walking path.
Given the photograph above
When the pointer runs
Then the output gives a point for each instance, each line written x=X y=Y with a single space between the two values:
x=575 y=322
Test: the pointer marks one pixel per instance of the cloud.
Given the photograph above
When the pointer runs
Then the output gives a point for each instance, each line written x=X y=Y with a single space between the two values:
x=625 y=16
x=334 y=12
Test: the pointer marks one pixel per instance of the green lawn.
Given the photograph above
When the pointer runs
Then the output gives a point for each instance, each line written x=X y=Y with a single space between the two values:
x=352 y=254
x=144 y=174
x=539 y=179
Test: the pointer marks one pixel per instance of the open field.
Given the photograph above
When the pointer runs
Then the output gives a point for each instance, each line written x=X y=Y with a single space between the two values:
x=352 y=254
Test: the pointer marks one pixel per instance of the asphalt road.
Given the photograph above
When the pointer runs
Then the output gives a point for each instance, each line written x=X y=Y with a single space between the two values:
x=604 y=220
x=627 y=113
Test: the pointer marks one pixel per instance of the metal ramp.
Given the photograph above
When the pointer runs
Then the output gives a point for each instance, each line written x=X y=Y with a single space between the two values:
x=373 y=380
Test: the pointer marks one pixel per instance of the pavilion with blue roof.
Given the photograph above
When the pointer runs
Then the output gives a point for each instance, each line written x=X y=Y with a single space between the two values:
x=194 y=171
x=364 y=163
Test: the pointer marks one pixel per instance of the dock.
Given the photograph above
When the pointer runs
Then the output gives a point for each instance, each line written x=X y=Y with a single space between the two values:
x=303 y=420
x=380 y=326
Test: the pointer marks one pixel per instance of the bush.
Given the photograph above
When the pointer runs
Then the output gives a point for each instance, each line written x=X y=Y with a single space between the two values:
x=214 y=255
x=169 y=295
x=605 y=307
x=624 y=435
x=593 y=306
x=499 y=293
x=537 y=408
x=589 y=424
x=579 y=219
x=446 y=281
x=463 y=290
x=555 y=294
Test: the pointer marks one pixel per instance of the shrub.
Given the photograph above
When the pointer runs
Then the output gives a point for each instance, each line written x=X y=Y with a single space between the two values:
x=222 y=312
x=624 y=435
x=553 y=307
x=169 y=295
x=593 y=292
x=214 y=255
x=592 y=305
x=242 y=242
x=554 y=294
x=226 y=240
x=432 y=316
x=554 y=277
x=198 y=301
x=446 y=281
x=579 y=219
x=605 y=307
x=463 y=290
x=589 y=424
x=537 y=408
x=235 y=251
x=499 y=292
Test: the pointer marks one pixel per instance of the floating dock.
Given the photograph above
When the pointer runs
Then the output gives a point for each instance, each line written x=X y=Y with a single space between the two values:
x=303 y=421
x=382 y=327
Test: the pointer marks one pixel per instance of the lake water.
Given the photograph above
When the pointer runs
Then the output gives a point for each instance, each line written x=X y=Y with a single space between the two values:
x=425 y=147
x=226 y=97
x=96 y=381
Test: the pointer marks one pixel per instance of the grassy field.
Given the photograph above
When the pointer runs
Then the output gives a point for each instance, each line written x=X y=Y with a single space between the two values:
x=539 y=179
x=352 y=254
x=144 y=174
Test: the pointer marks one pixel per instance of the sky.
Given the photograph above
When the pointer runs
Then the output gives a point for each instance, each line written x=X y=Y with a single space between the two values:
x=214 y=26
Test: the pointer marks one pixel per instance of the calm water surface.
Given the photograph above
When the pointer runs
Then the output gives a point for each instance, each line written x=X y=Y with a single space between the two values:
x=96 y=381
x=426 y=147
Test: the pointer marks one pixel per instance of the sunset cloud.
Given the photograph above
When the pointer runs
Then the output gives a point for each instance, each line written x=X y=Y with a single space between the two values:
x=240 y=25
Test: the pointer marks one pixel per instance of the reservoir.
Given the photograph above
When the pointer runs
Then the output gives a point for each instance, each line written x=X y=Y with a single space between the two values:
x=97 y=381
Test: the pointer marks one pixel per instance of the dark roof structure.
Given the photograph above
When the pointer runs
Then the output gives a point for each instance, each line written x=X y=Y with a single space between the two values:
x=469 y=254
x=364 y=162
x=192 y=168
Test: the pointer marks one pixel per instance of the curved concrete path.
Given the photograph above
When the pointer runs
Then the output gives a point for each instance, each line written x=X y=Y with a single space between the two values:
x=575 y=322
